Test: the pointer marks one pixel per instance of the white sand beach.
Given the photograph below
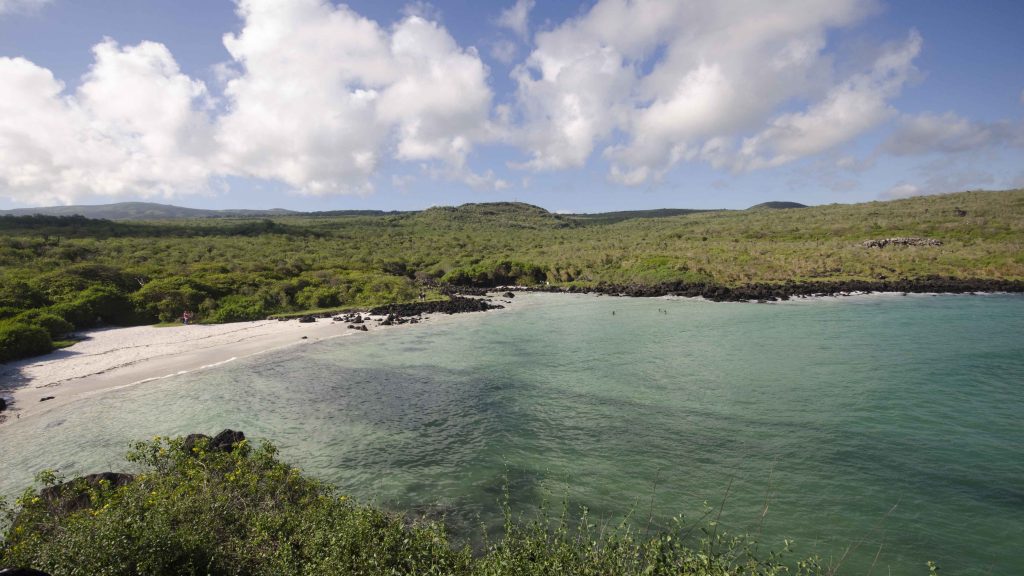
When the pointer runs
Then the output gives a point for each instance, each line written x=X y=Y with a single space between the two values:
x=114 y=358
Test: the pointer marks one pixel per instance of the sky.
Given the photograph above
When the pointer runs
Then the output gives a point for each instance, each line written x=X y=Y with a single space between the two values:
x=573 y=106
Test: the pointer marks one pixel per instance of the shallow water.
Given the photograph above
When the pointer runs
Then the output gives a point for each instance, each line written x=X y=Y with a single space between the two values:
x=886 y=425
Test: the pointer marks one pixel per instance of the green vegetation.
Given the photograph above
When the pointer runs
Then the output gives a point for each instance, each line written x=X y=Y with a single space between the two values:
x=89 y=272
x=203 y=511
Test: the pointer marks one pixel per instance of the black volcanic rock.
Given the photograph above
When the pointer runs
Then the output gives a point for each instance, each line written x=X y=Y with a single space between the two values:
x=454 y=305
x=226 y=440
x=774 y=292
x=73 y=495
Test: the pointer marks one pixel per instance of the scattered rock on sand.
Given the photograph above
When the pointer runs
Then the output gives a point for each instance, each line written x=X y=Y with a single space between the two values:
x=3 y=404
x=307 y=319
x=45 y=398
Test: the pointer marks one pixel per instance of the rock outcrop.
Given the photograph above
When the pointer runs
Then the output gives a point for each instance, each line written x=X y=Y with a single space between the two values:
x=73 y=495
x=454 y=305
x=901 y=241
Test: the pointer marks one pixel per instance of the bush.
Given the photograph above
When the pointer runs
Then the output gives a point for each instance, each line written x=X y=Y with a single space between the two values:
x=238 y=309
x=54 y=325
x=197 y=511
x=18 y=340
x=166 y=298
x=213 y=512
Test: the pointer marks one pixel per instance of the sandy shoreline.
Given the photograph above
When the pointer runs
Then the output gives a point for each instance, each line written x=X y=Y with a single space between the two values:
x=115 y=358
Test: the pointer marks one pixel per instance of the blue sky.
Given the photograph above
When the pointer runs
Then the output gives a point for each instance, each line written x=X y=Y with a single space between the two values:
x=590 y=106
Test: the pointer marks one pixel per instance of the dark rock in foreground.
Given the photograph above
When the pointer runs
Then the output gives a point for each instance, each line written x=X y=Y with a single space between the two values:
x=224 y=441
x=74 y=495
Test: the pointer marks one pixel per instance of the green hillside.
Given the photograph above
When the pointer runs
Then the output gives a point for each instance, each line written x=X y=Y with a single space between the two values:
x=58 y=270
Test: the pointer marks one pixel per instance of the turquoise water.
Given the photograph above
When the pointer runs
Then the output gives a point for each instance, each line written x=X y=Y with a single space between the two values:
x=884 y=425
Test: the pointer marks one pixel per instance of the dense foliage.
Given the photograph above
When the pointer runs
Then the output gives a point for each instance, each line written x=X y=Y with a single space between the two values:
x=90 y=272
x=204 y=511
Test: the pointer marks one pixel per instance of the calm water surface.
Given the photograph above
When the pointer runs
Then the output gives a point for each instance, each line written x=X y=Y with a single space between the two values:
x=882 y=425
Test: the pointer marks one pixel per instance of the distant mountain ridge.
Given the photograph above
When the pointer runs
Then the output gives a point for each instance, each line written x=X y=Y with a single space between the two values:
x=155 y=211
x=142 y=211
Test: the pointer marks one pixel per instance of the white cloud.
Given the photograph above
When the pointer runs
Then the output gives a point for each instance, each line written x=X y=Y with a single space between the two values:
x=21 y=6
x=517 y=18
x=901 y=191
x=660 y=82
x=950 y=133
x=848 y=110
x=314 y=97
x=942 y=178
x=323 y=89
x=136 y=125
x=504 y=51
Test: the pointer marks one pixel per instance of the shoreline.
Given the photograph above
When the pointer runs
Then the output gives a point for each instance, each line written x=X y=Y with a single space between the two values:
x=115 y=358
x=766 y=292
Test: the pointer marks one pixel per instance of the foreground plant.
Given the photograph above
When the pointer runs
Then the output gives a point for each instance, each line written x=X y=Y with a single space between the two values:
x=198 y=508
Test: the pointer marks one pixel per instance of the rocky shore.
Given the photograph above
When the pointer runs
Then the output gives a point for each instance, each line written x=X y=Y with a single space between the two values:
x=454 y=305
x=774 y=292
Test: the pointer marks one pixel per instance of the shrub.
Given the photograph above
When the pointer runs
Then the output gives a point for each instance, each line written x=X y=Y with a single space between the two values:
x=18 y=340
x=166 y=298
x=238 y=309
x=96 y=305
x=54 y=325
x=194 y=510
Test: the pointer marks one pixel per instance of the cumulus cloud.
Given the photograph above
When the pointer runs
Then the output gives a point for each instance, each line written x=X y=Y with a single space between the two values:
x=504 y=51
x=658 y=82
x=941 y=178
x=904 y=190
x=314 y=96
x=950 y=133
x=517 y=17
x=20 y=6
x=136 y=125
x=323 y=89
x=849 y=109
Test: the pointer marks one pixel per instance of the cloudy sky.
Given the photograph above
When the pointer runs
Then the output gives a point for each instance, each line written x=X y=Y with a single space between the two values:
x=577 y=106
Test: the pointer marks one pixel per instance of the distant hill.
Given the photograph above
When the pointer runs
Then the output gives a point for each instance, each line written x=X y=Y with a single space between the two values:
x=142 y=211
x=508 y=213
x=777 y=205
x=613 y=217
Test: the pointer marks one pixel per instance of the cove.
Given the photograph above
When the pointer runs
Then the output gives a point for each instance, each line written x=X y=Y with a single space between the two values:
x=882 y=425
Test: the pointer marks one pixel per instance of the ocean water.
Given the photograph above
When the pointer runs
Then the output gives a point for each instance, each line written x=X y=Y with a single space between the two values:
x=881 y=431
